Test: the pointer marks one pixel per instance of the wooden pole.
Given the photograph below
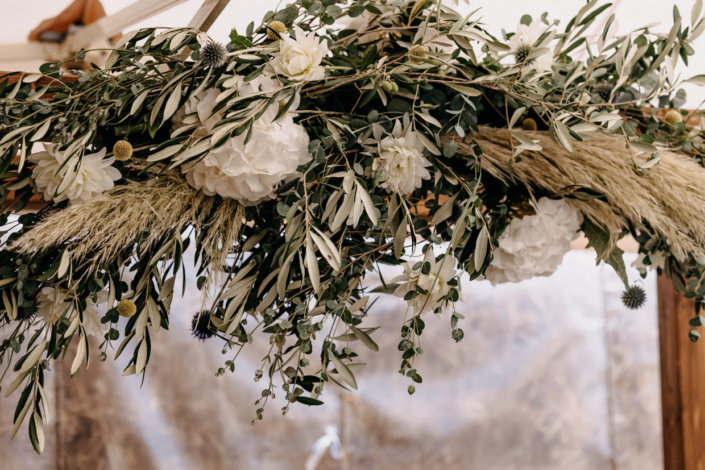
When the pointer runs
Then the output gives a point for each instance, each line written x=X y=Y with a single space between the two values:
x=682 y=382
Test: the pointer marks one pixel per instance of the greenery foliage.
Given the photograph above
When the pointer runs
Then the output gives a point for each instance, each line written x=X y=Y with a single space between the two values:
x=293 y=275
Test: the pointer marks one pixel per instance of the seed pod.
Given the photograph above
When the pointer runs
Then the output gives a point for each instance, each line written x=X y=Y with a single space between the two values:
x=529 y=124
x=122 y=150
x=126 y=308
x=673 y=117
x=275 y=29
x=417 y=54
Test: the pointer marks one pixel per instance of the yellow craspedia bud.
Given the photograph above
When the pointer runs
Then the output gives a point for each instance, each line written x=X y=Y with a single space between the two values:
x=122 y=150
x=126 y=308
x=417 y=53
x=275 y=29
x=529 y=124
x=673 y=117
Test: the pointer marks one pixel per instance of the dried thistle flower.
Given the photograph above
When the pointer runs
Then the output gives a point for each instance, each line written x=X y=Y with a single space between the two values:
x=213 y=54
x=201 y=325
x=456 y=213
x=604 y=90
x=122 y=150
x=522 y=53
x=126 y=308
x=634 y=297
x=275 y=29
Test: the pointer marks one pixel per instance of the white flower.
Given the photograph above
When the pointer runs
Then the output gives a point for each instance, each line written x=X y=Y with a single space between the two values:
x=657 y=259
x=360 y=24
x=535 y=245
x=52 y=305
x=78 y=180
x=202 y=104
x=401 y=160
x=250 y=173
x=432 y=40
x=300 y=58
x=525 y=40
x=434 y=283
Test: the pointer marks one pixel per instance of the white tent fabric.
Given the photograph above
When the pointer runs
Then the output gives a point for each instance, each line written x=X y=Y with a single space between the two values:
x=553 y=373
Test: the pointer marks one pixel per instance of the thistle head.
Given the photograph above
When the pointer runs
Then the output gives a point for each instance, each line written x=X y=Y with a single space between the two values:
x=201 y=325
x=634 y=297
x=213 y=54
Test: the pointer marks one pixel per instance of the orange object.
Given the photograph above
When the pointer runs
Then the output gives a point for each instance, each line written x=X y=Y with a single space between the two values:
x=80 y=12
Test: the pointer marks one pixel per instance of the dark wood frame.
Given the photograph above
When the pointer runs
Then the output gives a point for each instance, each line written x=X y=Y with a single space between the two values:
x=682 y=382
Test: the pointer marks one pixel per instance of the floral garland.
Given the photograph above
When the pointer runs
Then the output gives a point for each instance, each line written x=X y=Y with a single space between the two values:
x=334 y=137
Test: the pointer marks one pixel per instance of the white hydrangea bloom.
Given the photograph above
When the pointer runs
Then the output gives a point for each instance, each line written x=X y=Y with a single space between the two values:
x=435 y=283
x=202 y=104
x=300 y=59
x=525 y=38
x=249 y=173
x=535 y=245
x=78 y=180
x=52 y=304
x=401 y=160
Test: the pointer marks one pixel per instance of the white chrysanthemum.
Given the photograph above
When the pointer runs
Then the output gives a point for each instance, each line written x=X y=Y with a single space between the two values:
x=535 y=245
x=525 y=40
x=78 y=180
x=300 y=58
x=250 y=173
x=435 y=283
x=52 y=305
x=401 y=160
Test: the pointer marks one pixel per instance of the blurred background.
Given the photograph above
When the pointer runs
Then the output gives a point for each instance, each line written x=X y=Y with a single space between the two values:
x=553 y=373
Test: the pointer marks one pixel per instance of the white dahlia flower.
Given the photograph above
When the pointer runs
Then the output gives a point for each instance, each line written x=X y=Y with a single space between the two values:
x=300 y=59
x=52 y=304
x=434 y=283
x=535 y=245
x=524 y=42
x=249 y=173
x=78 y=180
x=401 y=160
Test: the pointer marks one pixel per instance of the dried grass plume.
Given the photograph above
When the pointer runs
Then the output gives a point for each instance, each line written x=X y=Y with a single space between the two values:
x=670 y=200
x=101 y=228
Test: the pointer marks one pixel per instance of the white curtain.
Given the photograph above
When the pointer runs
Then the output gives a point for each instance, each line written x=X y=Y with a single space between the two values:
x=553 y=373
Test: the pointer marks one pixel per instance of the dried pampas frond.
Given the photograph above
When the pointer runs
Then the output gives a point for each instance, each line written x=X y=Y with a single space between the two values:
x=670 y=200
x=101 y=228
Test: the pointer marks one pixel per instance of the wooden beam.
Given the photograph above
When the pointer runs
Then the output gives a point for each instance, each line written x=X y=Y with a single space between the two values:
x=207 y=14
x=682 y=382
x=31 y=51
x=109 y=26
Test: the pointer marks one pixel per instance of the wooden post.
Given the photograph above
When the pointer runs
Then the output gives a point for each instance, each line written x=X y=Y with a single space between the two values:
x=682 y=382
